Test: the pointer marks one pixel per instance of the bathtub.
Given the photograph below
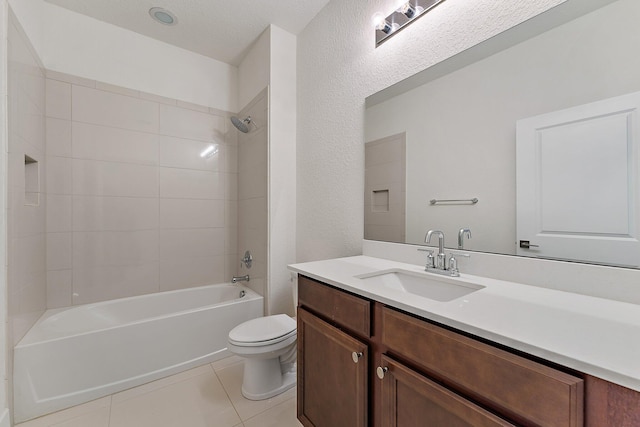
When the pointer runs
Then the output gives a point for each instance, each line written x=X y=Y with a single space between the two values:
x=74 y=355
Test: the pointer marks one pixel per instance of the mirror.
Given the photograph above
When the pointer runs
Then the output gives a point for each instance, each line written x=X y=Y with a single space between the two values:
x=457 y=120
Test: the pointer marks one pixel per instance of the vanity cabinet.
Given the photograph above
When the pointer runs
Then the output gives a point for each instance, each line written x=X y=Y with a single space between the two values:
x=361 y=363
x=333 y=357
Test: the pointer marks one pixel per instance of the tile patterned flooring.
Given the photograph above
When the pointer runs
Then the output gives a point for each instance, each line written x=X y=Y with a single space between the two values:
x=207 y=396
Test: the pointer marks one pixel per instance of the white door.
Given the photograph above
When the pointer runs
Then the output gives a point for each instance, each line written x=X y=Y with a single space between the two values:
x=577 y=183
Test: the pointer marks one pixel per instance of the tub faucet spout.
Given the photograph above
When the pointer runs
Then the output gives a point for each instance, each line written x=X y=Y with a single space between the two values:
x=240 y=279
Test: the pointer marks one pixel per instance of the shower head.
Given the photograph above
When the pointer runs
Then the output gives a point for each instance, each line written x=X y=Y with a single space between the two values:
x=241 y=125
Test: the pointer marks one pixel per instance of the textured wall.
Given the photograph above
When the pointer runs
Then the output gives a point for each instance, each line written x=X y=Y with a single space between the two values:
x=338 y=67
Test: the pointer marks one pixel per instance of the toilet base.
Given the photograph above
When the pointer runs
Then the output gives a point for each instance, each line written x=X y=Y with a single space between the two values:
x=263 y=379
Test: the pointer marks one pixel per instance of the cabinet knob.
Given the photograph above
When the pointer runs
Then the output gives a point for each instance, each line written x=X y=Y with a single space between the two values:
x=355 y=356
x=381 y=371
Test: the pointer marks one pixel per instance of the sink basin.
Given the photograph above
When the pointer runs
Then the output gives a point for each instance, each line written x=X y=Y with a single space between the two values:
x=422 y=284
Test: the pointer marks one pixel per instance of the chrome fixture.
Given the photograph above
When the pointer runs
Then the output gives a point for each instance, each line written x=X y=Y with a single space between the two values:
x=400 y=18
x=241 y=125
x=237 y=279
x=439 y=264
x=440 y=258
x=163 y=16
x=247 y=260
x=454 y=201
x=461 y=234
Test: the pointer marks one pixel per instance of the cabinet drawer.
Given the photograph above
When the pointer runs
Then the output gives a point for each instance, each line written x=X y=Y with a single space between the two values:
x=520 y=389
x=341 y=308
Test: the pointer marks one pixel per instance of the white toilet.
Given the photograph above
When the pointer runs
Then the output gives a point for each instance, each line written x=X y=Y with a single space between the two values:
x=268 y=345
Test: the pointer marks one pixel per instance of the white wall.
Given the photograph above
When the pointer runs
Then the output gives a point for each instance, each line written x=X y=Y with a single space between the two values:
x=254 y=71
x=338 y=67
x=271 y=61
x=75 y=44
x=4 y=346
x=30 y=13
x=282 y=169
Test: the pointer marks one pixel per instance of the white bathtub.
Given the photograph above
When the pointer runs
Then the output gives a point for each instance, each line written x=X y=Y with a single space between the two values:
x=74 y=355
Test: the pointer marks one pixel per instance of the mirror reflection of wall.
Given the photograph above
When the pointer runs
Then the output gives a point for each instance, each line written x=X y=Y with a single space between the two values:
x=384 y=189
x=461 y=128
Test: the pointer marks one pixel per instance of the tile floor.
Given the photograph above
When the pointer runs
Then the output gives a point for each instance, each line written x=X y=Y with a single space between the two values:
x=207 y=396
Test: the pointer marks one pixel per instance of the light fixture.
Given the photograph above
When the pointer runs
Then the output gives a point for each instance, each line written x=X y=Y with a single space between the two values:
x=385 y=26
x=401 y=17
x=210 y=151
x=408 y=10
x=163 y=16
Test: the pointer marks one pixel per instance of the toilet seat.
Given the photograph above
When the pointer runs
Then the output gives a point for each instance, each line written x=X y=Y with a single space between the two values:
x=263 y=331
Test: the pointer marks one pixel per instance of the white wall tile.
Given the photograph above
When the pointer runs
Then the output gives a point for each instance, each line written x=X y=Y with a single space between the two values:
x=183 y=123
x=30 y=122
x=114 y=248
x=59 y=288
x=29 y=219
x=112 y=144
x=252 y=182
x=99 y=178
x=91 y=284
x=68 y=78
x=59 y=251
x=58 y=137
x=231 y=187
x=115 y=110
x=191 y=213
x=191 y=243
x=58 y=99
x=184 y=273
x=191 y=184
x=230 y=158
x=59 y=175
x=59 y=213
x=97 y=213
x=185 y=153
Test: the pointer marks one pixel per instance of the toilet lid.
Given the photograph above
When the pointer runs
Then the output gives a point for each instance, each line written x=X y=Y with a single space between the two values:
x=269 y=328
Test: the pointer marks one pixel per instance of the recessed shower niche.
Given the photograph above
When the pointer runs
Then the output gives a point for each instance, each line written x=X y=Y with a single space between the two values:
x=31 y=181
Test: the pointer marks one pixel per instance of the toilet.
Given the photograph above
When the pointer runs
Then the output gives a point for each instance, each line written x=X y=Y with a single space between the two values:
x=268 y=345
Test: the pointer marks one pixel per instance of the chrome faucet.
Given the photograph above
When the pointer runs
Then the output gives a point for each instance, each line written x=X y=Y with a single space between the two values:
x=461 y=234
x=438 y=264
x=240 y=279
x=440 y=258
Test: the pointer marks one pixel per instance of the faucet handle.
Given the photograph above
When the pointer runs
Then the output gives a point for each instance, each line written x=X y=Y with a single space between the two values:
x=430 y=258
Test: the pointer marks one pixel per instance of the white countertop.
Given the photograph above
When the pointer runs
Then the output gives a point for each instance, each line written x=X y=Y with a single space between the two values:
x=597 y=336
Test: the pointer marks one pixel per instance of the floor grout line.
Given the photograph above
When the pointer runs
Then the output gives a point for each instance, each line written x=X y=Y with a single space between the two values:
x=227 y=392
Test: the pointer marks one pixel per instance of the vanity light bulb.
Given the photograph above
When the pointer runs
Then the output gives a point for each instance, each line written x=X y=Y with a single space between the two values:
x=384 y=26
x=408 y=10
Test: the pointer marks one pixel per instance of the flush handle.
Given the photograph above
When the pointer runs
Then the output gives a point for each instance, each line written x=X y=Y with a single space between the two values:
x=356 y=355
x=381 y=371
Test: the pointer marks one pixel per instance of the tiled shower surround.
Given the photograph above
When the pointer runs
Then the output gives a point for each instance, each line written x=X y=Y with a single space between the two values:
x=132 y=207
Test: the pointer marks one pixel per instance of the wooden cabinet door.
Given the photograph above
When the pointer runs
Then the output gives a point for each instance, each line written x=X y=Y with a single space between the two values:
x=332 y=375
x=412 y=400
